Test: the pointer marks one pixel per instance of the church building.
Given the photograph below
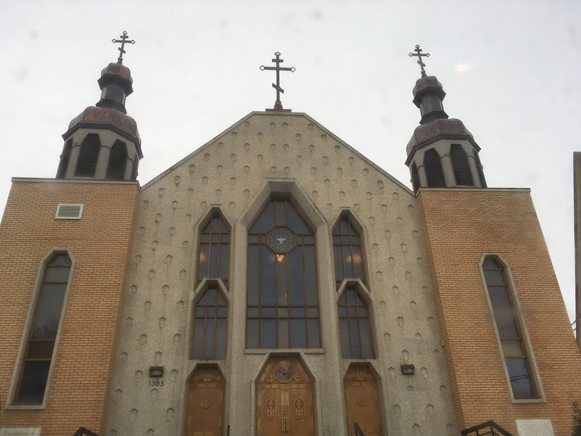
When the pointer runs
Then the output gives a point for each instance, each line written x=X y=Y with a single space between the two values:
x=276 y=282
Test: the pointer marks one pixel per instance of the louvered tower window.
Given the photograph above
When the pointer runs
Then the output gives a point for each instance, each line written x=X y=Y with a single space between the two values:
x=434 y=172
x=347 y=252
x=354 y=326
x=214 y=258
x=461 y=166
x=88 y=156
x=210 y=326
x=117 y=161
x=479 y=169
x=64 y=163
x=509 y=330
x=134 y=169
x=45 y=324
x=415 y=177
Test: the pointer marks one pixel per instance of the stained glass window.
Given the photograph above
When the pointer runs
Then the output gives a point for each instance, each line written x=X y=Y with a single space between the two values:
x=282 y=298
x=214 y=257
x=210 y=326
x=354 y=326
x=347 y=252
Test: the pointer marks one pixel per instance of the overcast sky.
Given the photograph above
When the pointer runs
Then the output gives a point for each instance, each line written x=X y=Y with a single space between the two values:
x=510 y=70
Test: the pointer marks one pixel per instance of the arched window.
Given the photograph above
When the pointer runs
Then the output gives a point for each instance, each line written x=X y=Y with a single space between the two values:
x=44 y=328
x=461 y=166
x=509 y=330
x=282 y=297
x=415 y=177
x=434 y=172
x=354 y=326
x=64 y=163
x=214 y=258
x=87 y=162
x=347 y=252
x=210 y=326
x=117 y=161
x=479 y=169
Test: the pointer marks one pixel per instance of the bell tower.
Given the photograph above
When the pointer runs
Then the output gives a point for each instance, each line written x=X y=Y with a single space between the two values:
x=442 y=153
x=102 y=142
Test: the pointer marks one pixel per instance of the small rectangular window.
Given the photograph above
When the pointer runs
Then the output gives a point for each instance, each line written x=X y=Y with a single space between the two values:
x=69 y=211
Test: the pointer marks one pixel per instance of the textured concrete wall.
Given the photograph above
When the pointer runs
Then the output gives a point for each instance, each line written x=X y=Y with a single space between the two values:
x=99 y=243
x=237 y=171
x=459 y=227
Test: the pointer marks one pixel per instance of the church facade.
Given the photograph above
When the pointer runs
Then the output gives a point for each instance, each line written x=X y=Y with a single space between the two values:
x=277 y=282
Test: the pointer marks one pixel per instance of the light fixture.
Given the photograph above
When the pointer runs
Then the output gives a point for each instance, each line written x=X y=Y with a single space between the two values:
x=408 y=369
x=156 y=371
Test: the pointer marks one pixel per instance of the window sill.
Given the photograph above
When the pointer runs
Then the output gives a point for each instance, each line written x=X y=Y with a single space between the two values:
x=25 y=407
x=284 y=350
x=528 y=400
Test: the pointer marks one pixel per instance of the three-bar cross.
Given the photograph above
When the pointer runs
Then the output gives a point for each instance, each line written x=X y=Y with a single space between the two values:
x=419 y=54
x=278 y=69
x=121 y=49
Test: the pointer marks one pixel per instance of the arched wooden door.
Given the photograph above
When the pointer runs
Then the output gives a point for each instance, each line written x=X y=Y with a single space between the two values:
x=362 y=401
x=284 y=399
x=205 y=403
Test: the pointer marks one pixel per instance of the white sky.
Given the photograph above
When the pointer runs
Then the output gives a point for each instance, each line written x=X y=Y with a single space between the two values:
x=510 y=69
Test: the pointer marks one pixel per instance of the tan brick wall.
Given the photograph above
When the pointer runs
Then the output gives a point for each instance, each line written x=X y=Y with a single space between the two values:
x=460 y=226
x=99 y=243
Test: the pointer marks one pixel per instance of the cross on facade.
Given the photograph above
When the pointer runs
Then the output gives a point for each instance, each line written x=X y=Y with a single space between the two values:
x=278 y=69
x=419 y=54
x=122 y=41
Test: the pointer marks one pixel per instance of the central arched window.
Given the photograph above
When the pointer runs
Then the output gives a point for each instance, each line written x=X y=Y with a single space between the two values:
x=282 y=299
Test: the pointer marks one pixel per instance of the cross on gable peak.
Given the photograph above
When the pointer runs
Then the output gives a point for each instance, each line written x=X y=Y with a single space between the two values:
x=277 y=60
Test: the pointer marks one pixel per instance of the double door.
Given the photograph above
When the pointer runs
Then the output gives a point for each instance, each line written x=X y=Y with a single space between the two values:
x=285 y=400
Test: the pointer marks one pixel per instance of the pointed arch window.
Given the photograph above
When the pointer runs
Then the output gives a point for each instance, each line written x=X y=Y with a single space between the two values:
x=87 y=162
x=509 y=329
x=43 y=332
x=461 y=166
x=117 y=161
x=354 y=326
x=415 y=177
x=282 y=298
x=65 y=157
x=214 y=253
x=434 y=172
x=347 y=252
x=209 y=334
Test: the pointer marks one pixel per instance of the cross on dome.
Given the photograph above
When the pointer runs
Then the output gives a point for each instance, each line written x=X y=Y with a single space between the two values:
x=122 y=41
x=419 y=55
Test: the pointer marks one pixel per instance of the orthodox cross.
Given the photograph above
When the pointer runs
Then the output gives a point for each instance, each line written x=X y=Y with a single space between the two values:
x=121 y=49
x=419 y=54
x=278 y=69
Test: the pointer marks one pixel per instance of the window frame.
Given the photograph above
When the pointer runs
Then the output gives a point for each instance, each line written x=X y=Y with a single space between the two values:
x=357 y=226
x=521 y=326
x=207 y=219
x=28 y=325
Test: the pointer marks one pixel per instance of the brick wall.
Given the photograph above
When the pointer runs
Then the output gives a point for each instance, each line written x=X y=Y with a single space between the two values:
x=460 y=226
x=99 y=243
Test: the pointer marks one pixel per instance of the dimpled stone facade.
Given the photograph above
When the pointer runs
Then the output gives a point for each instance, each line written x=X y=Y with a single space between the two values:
x=264 y=153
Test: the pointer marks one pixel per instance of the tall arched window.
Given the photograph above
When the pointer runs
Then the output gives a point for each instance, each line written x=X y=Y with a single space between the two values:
x=354 y=326
x=44 y=328
x=434 y=172
x=282 y=297
x=210 y=326
x=64 y=163
x=214 y=257
x=461 y=166
x=509 y=330
x=87 y=162
x=347 y=252
x=117 y=161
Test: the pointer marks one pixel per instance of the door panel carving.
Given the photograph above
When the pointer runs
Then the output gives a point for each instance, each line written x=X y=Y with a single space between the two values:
x=285 y=405
x=205 y=403
x=362 y=401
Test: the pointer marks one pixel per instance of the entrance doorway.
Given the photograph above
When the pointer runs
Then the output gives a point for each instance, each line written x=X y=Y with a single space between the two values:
x=205 y=403
x=284 y=399
x=362 y=401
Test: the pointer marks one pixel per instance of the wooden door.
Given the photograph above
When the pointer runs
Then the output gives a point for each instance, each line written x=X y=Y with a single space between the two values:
x=362 y=401
x=205 y=403
x=285 y=404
